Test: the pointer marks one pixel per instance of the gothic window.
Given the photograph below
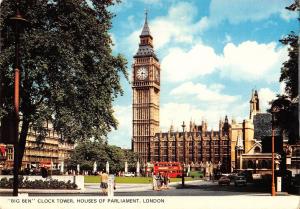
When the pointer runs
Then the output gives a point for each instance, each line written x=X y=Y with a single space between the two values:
x=264 y=164
x=257 y=150
x=9 y=153
x=250 y=164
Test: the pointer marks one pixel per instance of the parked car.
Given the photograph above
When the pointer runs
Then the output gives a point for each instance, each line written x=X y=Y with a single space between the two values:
x=224 y=180
x=240 y=181
x=129 y=174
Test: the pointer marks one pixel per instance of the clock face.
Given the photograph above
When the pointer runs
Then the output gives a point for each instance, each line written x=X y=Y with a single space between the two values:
x=142 y=73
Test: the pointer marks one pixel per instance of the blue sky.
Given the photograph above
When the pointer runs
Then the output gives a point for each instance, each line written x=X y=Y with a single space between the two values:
x=212 y=54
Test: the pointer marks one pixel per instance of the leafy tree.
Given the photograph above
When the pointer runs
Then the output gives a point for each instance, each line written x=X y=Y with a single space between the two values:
x=88 y=152
x=68 y=73
x=288 y=116
x=132 y=159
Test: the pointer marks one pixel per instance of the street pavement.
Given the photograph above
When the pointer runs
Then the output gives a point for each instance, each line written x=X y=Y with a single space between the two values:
x=191 y=188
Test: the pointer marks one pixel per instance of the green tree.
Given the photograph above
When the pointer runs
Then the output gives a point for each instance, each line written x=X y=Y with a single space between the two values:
x=68 y=73
x=288 y=116
x=88 y=152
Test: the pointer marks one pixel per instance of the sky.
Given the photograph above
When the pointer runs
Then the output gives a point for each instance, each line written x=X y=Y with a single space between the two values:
x=212 y=54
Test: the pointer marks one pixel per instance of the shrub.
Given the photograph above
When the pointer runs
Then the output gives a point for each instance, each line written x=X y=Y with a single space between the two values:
x=38 y=184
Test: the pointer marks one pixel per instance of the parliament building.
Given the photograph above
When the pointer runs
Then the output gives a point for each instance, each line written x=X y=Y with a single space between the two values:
x=194 y=145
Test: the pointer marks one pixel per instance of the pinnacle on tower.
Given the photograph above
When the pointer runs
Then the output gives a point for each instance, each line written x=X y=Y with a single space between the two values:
x=146 y=30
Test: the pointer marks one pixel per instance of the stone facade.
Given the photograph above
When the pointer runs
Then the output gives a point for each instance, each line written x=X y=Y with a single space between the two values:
x=146 y=93
x=197 y=146
x=50 y=151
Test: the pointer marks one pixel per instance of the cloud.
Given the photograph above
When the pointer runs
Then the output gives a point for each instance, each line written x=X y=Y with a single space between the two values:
x=122 y=136
x=177 y=27
x=265 y=95
x=203 y=93
x=288 y=15
x=236 y=11
x=175 y=113
x=180 y=65
x=252 y=61
x=150 y=1
x=247 y=61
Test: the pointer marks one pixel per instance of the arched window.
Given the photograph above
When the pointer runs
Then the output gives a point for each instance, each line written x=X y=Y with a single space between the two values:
x=257 y=150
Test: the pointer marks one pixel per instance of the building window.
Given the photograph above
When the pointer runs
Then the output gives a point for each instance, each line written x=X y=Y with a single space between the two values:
x=250 y=164
x=256 y=150
x=10 y=154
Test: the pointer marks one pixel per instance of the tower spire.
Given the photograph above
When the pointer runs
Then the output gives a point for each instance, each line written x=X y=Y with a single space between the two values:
x=146 y=15
x=146 y=30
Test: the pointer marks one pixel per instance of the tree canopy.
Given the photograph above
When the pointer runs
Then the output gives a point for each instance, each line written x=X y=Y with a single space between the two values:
x=88 y=152
x=68 y=73
x=288 y=116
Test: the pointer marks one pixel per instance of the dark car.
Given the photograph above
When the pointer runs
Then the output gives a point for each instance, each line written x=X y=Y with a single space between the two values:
x=224 y=180
x=240 y=181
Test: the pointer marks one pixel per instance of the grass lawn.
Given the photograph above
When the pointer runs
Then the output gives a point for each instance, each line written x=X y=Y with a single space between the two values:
x=132 y=180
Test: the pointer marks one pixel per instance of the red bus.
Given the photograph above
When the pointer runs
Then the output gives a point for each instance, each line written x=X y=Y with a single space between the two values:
x=174 y=169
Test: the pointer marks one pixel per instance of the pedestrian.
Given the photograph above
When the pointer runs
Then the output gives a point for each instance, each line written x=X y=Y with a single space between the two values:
x=159 y=181
x=154 y=182
x=103 y=184
x=166 y=180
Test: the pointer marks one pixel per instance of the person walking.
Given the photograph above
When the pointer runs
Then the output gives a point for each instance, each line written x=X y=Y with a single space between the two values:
x=103 y=184
x=159 y=181
x=166 y=180
x=154 y=182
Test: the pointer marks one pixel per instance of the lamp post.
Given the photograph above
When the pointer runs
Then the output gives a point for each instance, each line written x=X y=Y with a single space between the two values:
x=18 y=23
x=274 y=110
x=183 y=161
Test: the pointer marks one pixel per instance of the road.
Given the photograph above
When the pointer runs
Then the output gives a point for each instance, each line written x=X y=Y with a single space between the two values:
x=192 y=188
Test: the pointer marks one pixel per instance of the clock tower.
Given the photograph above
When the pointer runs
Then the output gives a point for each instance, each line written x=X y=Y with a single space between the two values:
x=145 y=91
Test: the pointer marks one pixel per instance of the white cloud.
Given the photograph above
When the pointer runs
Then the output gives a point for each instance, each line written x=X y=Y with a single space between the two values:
x=175 y=113
x=150 y=1
x=180 y=65
x=265 y=95
x=122 y=136
x=247 y=61
x=288 y=15
x=204 y=93
x=252 y=61
x=236 y=11
x=178 y=26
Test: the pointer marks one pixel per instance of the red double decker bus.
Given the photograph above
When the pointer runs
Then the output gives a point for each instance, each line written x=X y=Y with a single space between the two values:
x=174 y=169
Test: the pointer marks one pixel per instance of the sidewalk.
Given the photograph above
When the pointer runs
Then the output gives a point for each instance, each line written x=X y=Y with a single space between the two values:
x=90 y=188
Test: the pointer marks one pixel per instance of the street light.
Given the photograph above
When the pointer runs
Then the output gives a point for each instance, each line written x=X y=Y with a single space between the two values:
x=274 y=109
x=183 y=161
x=18 y=23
